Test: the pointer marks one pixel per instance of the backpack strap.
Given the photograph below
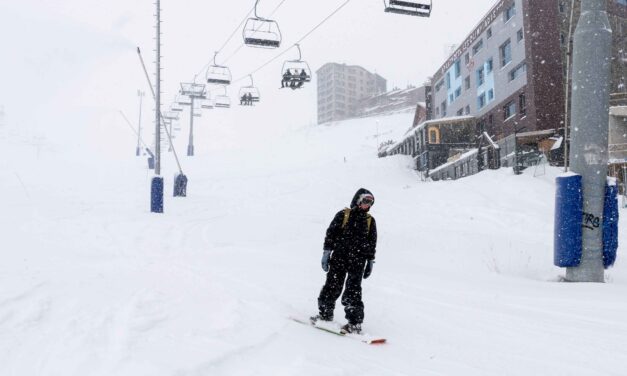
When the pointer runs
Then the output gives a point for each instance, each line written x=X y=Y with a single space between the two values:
x=347 y=214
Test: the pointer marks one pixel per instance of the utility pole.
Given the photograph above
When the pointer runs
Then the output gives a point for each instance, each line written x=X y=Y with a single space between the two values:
x=193 y=91
x=589 y=131
x=140 y=94
x=156 y=190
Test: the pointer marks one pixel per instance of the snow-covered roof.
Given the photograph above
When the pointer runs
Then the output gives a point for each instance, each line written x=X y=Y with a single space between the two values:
x=461 y=156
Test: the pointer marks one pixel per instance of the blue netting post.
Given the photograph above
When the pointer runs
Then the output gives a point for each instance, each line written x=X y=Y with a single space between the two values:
x=567 y=245
x=180 y=185
x=151 y=160
x=610 y=225
x=156 y=195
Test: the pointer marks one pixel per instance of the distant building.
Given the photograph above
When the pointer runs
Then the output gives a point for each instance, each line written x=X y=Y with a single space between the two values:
x=341 y=87
x=509 y=72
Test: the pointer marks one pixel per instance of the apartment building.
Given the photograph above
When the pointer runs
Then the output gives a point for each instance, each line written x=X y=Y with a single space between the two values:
x=509 y=72
x=341 y=87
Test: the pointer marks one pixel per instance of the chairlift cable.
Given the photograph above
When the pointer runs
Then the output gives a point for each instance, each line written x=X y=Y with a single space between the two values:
x=204 y=68
x=297 y=42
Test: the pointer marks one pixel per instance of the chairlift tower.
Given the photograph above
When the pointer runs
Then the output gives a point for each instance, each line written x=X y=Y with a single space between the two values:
x=156 y=188
x=168 y=118
x=193 y=91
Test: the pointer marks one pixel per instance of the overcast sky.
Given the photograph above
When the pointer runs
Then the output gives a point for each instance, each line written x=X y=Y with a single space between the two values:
x=82 y=52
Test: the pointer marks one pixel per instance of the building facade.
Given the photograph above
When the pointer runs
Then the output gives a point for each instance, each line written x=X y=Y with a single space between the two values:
x=510 y=71
x=341 y=87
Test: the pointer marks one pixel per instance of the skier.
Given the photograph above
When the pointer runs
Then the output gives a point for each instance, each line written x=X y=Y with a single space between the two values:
x=349 y=250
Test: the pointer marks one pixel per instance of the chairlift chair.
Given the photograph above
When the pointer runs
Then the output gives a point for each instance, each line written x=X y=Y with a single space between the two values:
x=292 y=72
x=218 y=74
x=176 y=107
x=261 y=32
x=408 y=7
x=222 y=100
x=249 y=93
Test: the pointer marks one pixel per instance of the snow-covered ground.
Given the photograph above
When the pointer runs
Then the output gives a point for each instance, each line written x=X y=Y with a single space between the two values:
x=92 y=283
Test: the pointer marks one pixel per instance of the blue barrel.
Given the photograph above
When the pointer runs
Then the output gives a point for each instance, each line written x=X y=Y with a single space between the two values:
x=568 y=219
x=610 y=225
x=156 y=195
x=180 y=185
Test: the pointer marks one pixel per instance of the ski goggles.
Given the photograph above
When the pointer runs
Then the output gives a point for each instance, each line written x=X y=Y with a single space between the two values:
x=368 y=200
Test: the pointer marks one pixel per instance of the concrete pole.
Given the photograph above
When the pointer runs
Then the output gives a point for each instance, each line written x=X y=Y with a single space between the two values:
x=190 y=145
x=158 y=94
x=589 y=131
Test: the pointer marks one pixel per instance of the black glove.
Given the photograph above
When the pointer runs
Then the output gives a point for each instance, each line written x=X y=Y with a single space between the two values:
x=368 y=269
x=326 y=255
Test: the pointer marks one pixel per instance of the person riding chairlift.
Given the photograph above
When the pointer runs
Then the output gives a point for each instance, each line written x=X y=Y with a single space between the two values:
x=287 y=77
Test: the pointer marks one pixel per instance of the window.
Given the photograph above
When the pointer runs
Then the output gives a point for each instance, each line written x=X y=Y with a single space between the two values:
x=443 y=107
x=480 y=77
x=460 y=112
x=458 y=68
x=458 y=92
x=509 y=110
x=448 y=80
x=490 y=95
x=520 y=35
x=517 y=72
x=466 y=58
x=481 y=101
x=506 y=52
x=522 y=104
x=433 y=136
x=467 y=83
x=467 y=110
x=561 y=7
x=438 y=86
x=488 y=33
x=437 y=111
x=477 y=47
x=509 y=13
x=489 y=65
x=451 y=98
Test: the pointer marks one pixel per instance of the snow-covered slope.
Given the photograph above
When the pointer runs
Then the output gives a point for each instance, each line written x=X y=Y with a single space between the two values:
x=91 y=283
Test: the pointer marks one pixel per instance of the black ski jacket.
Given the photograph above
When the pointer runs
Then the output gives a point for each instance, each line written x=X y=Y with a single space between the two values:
x=355 y=242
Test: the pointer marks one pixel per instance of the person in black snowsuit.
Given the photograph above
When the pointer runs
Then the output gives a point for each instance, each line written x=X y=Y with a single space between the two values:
x=349 y=252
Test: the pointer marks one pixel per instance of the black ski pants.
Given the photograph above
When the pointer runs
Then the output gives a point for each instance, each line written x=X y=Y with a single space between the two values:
x=338 y=273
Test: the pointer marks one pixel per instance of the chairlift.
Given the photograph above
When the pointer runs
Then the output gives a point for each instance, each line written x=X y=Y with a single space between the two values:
x=222 y=100
x=295 y=72
x=171 y=115
x=261 y=32
x=207 y=105
x=218 y=74
x=410 y=8
x=176 y=107
x=248 y=94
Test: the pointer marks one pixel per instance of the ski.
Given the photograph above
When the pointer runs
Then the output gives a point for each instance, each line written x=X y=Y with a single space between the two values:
x=333 y=328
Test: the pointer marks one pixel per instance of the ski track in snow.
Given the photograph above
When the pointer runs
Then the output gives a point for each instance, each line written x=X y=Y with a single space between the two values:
x=94 y=284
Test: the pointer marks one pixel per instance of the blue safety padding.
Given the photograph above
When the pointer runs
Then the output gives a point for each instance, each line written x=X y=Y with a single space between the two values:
x=180 y=186
x=610 y=226
x=568 y=220
x=156 y=195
